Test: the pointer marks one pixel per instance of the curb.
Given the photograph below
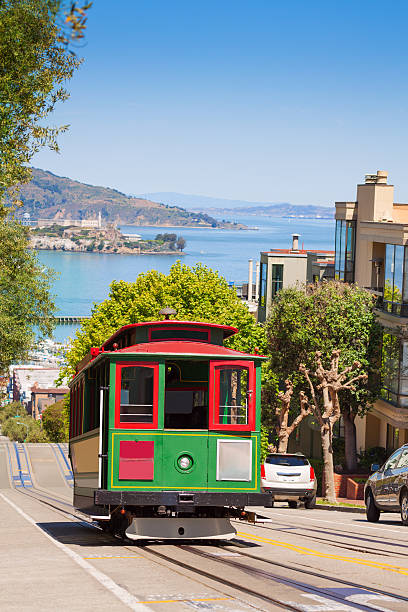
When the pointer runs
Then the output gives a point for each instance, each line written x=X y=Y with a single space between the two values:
x=341 y=508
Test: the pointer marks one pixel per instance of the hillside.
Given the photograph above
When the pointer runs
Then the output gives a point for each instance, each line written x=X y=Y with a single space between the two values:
x=217 y=206
x=48 y=196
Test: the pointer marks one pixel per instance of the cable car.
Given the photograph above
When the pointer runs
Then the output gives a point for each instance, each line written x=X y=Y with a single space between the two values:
x=165 y=431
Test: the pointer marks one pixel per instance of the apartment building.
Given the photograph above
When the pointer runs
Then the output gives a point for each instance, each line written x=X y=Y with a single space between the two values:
x=372 y=251
x=282 y=268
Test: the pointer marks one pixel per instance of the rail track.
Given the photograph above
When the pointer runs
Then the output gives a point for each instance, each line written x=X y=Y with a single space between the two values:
x=238 y=563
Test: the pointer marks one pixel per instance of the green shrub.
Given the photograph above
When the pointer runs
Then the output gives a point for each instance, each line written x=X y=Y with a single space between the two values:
x=375 y=454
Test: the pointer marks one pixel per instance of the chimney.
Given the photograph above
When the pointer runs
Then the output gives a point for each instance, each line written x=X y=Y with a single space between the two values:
x=257 y=282
x=250 y=276
x=379 y=178
x=295 y=242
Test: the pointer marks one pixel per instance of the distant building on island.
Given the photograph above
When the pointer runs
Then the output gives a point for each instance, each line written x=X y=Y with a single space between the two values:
x=86 y=223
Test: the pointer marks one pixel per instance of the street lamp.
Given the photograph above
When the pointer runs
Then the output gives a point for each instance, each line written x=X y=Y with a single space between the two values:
x=26 y=426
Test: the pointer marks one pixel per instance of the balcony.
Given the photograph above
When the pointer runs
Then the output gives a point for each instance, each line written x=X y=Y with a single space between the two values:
x=397 y=309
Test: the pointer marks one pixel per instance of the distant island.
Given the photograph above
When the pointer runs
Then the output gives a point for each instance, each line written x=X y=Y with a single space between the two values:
x=218 y=206
x=82 y=239
x=52 y=197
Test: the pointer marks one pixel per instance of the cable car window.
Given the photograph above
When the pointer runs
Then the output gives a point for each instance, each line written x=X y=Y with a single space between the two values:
x=179 y=334
x=136 y=395
x=232 y=396
x=186 y=408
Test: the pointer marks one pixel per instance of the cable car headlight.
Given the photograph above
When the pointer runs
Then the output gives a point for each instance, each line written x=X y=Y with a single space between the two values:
x=185 y=462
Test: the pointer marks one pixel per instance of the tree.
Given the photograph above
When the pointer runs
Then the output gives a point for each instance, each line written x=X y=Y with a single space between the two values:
x=324 y=317
x=196 y=293
x=325 y=405
x=25 y=299
x=34 y=63
x=54 y=422
x=181 y=243
x=23 y=429
x=282 y=413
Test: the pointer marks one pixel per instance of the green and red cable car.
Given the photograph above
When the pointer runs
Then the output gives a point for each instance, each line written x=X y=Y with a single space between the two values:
x=165 y=431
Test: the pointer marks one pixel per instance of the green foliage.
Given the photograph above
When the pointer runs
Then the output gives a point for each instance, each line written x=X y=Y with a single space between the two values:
x=18 y=433
x=196 y=293
x=328 y=316
x=375 y=454
x=54 y=422
x=25 y=300
x=181 y=243
x=34 y=63
x=11 y=410
x=264 y=442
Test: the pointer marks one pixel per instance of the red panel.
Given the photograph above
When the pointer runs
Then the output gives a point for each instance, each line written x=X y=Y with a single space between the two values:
x=134 y=449
x=136 y=469
x=214 y=399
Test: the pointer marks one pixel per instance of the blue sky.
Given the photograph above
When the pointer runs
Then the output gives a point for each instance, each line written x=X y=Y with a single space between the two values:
x=252 y=100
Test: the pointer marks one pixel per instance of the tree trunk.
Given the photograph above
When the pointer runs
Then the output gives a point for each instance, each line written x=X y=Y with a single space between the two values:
x=350 y=441
x=283 y=441
x=328 y=470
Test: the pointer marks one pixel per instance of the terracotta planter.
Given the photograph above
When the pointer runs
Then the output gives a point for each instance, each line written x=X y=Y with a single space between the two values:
x=355 y=490
x=340 y=485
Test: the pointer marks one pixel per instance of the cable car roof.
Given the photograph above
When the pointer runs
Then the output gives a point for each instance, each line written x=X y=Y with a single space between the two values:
x=227 y=330
x=185 y=348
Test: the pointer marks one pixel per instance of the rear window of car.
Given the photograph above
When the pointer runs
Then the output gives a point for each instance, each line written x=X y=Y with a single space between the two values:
x=292 y=460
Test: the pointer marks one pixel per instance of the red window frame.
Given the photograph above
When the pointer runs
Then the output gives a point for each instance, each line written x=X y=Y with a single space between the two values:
x=214 y=395
x=175 y=328
x=142 y=364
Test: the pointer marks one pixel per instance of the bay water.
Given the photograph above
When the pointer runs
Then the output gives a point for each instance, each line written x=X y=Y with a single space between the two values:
x=84 y=278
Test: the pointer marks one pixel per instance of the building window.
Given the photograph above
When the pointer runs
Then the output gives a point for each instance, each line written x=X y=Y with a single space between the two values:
x=394 y=369
x=345 y=250
x=277 y=278
x=395 y=281
x=263 y=285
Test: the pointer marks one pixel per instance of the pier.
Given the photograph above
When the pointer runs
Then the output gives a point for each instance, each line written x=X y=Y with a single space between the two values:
x=70 y=319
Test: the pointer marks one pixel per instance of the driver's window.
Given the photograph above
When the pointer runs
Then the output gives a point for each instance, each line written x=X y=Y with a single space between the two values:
x=392 y=461
x=403 y=462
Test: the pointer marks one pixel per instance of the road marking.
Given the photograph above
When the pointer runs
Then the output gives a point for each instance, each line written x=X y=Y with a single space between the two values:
x=315 y=553
x=116 y=557
x=124 y=596
x=151 y=601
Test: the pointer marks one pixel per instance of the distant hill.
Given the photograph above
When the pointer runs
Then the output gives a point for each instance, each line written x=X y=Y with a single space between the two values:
x=48 y=196
x=217 y=206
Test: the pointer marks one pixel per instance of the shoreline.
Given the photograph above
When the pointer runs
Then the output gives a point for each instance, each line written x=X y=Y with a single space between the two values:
x=32 y=248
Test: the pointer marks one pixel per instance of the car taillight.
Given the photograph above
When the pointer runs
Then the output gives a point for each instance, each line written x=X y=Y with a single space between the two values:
x=262 y=471
x=312 y=474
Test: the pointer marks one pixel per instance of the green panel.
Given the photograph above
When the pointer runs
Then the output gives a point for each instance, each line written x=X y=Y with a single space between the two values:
x=214 y=484
x=196 y=446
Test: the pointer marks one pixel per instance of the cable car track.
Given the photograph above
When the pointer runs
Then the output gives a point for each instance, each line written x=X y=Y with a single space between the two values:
x=147 y=548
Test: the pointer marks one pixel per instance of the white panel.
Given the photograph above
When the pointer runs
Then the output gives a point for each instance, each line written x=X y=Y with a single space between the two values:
x=234 y=460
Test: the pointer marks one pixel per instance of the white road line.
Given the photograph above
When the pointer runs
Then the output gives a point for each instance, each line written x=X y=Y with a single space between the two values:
x=124 y=596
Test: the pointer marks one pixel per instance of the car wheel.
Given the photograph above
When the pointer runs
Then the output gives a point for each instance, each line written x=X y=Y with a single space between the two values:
x=311 y=502
x=372 y=512
x=404 y=508
x=293 y=504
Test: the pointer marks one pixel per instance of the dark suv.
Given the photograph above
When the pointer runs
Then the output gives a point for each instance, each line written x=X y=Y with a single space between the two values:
x=387 y=488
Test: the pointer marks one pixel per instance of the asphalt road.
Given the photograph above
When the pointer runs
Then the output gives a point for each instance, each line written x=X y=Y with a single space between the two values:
x=310 y=560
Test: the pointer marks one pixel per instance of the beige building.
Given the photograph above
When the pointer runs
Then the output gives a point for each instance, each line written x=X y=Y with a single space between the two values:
x=372 y=250
x=281 y=268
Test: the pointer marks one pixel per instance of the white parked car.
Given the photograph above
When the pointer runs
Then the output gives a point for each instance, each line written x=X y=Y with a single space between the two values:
x=289 y=477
